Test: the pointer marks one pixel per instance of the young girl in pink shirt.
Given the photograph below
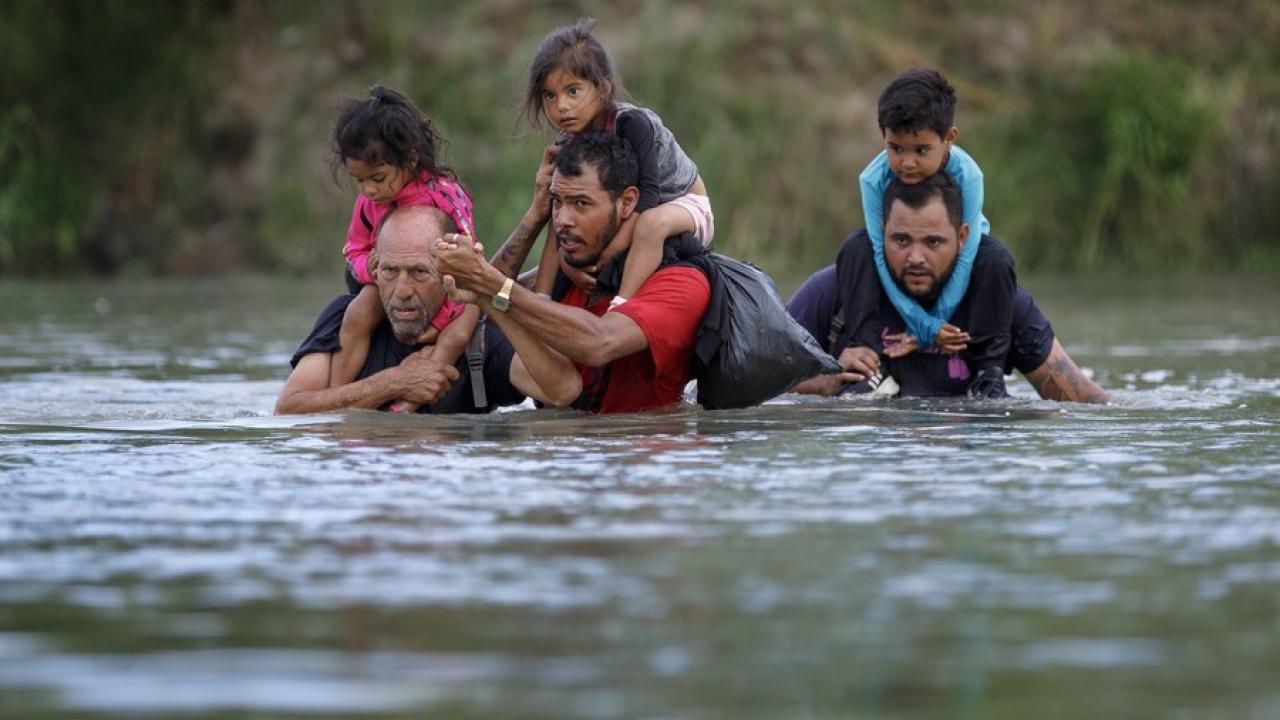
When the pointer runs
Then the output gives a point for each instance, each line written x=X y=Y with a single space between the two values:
x=390 y=149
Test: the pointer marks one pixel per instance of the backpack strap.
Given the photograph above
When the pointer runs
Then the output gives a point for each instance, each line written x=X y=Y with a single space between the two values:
x=475 y=363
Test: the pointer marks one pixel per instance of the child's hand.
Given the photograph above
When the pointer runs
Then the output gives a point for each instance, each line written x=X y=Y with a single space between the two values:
x=951 y=339
x=428 y=336
x=900 y=345
x=861 y=360
x=582 y=277
x=542 y=182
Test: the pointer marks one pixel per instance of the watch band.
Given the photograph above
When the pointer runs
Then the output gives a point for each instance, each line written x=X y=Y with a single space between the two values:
x=502 y=300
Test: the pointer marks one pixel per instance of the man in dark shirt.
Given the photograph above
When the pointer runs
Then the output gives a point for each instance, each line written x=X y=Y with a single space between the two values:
x=397 y=367
x=844 y=308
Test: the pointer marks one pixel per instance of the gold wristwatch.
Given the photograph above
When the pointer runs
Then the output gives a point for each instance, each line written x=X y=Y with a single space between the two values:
x=502 y=300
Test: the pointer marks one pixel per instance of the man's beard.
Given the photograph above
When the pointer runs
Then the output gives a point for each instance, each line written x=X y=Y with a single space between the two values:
x=930 y=295
x=602 y=241
x=407 y=331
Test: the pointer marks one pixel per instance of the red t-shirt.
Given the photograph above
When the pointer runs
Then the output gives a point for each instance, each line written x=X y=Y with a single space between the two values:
x=668 y=309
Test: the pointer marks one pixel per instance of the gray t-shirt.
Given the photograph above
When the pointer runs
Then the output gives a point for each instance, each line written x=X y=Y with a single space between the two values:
x=666 y=172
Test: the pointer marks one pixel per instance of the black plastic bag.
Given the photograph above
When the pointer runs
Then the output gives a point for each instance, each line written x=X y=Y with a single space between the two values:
x=749 y=349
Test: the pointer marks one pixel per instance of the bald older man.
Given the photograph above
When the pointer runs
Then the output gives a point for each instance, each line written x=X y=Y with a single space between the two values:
x=397 y=366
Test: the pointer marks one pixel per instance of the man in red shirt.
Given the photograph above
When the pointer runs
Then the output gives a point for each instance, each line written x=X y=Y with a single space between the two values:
x=635 y=356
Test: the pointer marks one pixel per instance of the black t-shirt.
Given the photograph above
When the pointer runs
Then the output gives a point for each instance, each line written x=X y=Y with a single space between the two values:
x=985 y=312
x=385 y=352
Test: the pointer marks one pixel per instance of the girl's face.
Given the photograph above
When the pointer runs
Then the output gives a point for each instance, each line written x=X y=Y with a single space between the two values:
x=380 y=183
x=571 y=103
x=914 y=156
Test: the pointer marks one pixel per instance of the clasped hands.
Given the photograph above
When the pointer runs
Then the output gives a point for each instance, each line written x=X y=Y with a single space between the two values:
x=461 y=266
x=949 y=340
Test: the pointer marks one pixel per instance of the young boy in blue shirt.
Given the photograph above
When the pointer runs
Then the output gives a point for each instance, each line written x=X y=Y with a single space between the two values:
x=916 y=117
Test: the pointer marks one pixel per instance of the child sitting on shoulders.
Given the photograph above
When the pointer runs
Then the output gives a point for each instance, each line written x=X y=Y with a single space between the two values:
x=916 y=114
x=573 y=86
x=390 y=149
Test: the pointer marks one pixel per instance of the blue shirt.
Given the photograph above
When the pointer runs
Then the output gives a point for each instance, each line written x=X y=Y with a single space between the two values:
x=924 y=324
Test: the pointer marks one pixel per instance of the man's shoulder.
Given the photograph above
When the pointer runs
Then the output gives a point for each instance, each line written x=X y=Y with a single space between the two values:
x=670 y=304
x=324 y=334
x=992 y=254
x=685 y=277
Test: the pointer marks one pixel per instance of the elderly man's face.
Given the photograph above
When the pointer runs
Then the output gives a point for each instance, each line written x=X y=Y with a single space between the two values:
x=921 y=246
x=584 y=216
x=406 y=278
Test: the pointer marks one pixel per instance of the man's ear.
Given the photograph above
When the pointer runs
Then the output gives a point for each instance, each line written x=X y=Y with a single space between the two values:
x=962 y=235
x=371 y=263
x=628 y=198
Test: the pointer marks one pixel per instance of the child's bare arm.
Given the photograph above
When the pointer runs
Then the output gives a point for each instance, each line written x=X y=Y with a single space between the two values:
x=652 y=229
x=548 y=263
x=450 y=345
x=362 y=315
x=510 y=257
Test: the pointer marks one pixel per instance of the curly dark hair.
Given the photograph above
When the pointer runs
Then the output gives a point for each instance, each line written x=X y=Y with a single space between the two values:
x=386 y=128
x=918 y=98
x=612 y=157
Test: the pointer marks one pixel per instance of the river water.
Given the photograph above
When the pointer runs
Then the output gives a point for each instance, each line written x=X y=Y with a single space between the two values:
x=170 y=549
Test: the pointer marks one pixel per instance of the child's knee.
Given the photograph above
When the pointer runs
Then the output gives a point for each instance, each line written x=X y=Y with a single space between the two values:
x=665 y=221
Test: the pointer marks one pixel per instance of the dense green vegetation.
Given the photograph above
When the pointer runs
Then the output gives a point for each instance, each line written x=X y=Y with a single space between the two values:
x=193 y=138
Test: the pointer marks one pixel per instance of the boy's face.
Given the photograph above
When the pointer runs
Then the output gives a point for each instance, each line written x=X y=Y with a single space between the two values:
x=916 y=155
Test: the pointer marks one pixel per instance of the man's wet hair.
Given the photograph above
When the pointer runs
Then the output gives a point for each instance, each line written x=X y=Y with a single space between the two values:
x=916 y=99
x=612 y=157
x=920 y=194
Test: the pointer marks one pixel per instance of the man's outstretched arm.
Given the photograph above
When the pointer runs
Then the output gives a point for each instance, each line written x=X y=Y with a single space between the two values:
x=419 y=379
x=573 y=332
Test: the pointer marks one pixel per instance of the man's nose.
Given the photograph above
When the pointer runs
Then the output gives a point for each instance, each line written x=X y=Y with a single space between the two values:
x=403 y=288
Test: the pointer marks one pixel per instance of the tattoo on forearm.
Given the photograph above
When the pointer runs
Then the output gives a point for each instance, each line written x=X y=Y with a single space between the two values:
x=513 y=252
x=1063 y=380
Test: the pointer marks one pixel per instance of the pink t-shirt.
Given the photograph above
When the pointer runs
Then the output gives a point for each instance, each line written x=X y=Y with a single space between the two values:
x=426 y=189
